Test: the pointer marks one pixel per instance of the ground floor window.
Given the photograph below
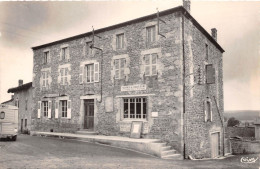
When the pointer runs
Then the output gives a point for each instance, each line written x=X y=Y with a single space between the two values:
x=135 y=108
x=45 y=108
x=64 y=108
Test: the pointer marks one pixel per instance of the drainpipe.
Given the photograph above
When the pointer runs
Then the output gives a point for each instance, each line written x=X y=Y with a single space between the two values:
x=183 y=81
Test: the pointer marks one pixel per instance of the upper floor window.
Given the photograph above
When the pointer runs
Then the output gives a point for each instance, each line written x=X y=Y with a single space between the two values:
x=150 y=34
x=64 y=76
x=44 y=78
x=135 y=108
x=120 y=41
x=210 y=74
x=120 y=68
x=64 y=52
x=89 y=51
x=150 y=64
x=46 y=57
x=207 y=52
x=89 y=72
x=2 y=115
x=208 y=110
x=64 y=108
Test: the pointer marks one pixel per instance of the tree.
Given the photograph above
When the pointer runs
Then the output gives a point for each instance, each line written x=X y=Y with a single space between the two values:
x=232 y=121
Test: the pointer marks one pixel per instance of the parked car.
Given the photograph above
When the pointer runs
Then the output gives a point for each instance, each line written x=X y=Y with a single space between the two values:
x=8 y=121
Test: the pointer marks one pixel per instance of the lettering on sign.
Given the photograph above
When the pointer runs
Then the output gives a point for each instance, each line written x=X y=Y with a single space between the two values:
x=133 y=88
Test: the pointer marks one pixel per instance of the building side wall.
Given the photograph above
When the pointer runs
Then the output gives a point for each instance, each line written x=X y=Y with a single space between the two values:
x=198 y=131
x=163 y=91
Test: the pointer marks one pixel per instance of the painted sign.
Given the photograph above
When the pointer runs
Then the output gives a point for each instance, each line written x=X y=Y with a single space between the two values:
x=133 y=87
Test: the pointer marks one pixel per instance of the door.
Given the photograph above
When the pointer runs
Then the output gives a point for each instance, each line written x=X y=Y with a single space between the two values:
x=215 y=145
x=89 y=114
x=21 y=125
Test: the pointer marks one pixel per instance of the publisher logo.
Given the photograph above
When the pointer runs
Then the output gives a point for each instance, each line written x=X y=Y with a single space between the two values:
x=248 y=160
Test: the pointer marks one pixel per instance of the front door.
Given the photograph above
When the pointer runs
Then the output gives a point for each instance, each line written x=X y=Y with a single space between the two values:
x=215 y=145
x=89 y=114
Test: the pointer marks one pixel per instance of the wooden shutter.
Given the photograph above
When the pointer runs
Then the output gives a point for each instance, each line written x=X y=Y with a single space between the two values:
x=96 y=72
x=56 y=109
x=81 y=69
x=66 y=75
x=210 y=74
x=68 y=54
x=69 y=109
x=39 y=109
x=49 y=109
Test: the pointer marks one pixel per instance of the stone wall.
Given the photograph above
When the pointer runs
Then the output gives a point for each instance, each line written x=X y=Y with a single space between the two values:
x=163 y=91
x=244 y=147
x=240 y=131
x=197 y=130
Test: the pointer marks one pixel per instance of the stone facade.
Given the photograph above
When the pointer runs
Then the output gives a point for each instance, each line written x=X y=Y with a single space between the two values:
x=23 y=99
x=147 y=75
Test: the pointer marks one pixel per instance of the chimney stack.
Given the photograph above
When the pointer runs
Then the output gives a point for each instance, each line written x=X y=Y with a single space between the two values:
x=214 y=33
x=20 y=82
x=186 y=5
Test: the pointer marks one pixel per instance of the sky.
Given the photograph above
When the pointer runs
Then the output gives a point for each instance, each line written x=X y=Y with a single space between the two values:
x=27 y=24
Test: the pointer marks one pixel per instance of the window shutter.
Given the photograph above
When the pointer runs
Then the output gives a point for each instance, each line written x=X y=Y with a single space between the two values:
x=66 y=75
x=39 y=109
x=49 y=110
x=205 y=111
x=81 y=68
x=56 y=109
x=210 y=74
x=60 y=54
x=96 y=72
x=68 y=54
x=69 y=109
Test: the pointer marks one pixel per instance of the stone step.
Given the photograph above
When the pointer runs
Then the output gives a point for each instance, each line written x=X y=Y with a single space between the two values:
x=160 y=144
x=165 y=148
x=173 y=157
x=86 y=132
x=168 y=152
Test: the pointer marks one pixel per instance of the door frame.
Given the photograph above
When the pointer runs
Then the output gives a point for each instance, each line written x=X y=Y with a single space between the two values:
x=219 y=143
x=82 y=109
x=85 y=122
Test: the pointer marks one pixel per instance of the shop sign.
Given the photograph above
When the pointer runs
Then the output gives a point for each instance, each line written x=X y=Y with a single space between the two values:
x=133 y=87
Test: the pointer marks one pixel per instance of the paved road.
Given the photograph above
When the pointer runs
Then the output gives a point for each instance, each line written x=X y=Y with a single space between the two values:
x=45 y=152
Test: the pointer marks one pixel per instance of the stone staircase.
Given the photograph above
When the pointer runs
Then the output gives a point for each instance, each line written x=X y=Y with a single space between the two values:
x=166 y=152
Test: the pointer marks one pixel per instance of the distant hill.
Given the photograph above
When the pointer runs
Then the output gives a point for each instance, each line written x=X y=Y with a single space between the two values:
x=242 y=114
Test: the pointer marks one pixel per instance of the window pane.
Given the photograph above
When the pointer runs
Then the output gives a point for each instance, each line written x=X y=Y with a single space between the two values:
x=147 y=59
x=154 y=58
x=122 y=63
x=117 y=63
x=122 y=74
x=117 y=74
x=132 y=108
x=92 y=72
x=138 y=110
x=154 y=72
x=147 y=70
x=144 y=110
x=125 y=108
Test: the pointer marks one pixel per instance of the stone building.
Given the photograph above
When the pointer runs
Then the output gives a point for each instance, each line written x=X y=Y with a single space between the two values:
x=163 y=70
x=23 y=99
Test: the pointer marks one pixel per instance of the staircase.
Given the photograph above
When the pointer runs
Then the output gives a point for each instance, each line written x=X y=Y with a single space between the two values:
x=166 y=152
x=86 y=132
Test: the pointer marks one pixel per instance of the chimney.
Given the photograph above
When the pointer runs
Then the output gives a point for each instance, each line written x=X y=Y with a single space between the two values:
x=20 y=82
x=186 y=5
x=214 y=33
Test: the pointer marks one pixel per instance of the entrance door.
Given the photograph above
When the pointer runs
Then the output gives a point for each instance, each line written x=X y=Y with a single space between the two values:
x=215 y=145
x=89 y=114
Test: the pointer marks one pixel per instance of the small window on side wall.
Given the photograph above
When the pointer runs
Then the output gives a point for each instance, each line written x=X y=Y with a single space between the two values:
x=120 y=41
x=210 y=74
x=150 y=34
x=2 y=115
x=208 y=111
x=46 y=57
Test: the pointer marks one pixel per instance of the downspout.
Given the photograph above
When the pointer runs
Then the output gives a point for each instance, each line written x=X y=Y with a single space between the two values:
x=183 y=90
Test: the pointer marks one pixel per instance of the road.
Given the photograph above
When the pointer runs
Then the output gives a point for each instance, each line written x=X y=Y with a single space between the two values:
x=47 y=152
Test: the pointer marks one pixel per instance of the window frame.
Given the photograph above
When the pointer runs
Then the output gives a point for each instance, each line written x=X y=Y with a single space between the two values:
x=120 y=69
x=44 y=78
x=64 y=56
x=120 y=41
x=92 y=73
x=63 y=76
x=64 y=108
x=46 y=57
x=143 y=102
x=151 y=64
x=2 y=116
x=89 y=51
x=45 y=108
x=150 y=35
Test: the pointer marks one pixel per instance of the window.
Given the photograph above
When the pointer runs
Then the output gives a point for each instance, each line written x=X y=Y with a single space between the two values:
x=208 y=110
x=135 y=108
x=2 y=115
x=150 y=34
x=44 y=79
x=150 y=64
x=120 y=41
x=89 y=72
x=88 y=49
x=207 y=52
x=25 y=123
x=64 y=76
x=64 y=53
x=210 y=74
x=26 y=102
x=63 y=108
x=45 y=108
x=46 y=57
x=119 y=68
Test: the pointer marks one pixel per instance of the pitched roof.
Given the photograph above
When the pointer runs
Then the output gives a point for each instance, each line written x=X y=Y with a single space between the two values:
x=20 y=88
x=162 y=13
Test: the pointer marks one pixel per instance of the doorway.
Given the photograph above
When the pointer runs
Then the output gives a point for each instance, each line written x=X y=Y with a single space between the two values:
x=215 y=144
x=89 y=114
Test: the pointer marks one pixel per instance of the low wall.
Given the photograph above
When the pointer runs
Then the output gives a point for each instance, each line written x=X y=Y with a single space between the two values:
x=240 y=131
x=244 y=147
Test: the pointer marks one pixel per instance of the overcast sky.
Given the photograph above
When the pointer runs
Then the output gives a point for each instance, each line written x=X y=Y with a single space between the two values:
x=27 y=24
